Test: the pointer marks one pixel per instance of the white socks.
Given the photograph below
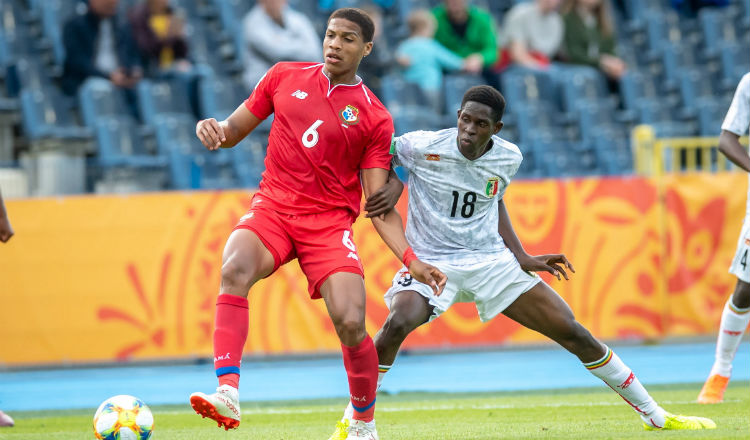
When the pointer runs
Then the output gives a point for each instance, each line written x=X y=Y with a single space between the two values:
x=734 y=321
x=349 y=411
x=622 y=380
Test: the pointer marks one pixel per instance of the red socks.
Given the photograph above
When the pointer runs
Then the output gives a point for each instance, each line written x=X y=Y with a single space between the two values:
x=229 y=337
x=361 y=363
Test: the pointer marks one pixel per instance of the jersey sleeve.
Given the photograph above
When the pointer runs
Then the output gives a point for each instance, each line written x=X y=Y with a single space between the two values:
x=403 y=148
x=737 y=119
x=260 y=102
x=378 y=150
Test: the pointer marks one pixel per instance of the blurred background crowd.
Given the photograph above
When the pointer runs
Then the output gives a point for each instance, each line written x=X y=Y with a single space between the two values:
x=103 y=95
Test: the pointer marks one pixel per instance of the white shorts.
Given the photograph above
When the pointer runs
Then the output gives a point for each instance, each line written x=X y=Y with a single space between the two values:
x=741 y=262
x=491 y=285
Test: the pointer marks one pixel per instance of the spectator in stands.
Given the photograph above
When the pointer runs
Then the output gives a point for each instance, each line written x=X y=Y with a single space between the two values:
x=98 y=45
x=589 y=37
x=275 y=32
x=532 y=35
x=381 y=59
x=467 y=31
x=423 y=58
x=159 y=32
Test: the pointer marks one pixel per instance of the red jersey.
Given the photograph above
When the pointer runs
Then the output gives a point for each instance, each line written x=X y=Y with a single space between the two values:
x=321 y=137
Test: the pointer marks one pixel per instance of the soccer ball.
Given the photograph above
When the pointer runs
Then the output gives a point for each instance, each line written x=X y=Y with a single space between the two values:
x=123 y=418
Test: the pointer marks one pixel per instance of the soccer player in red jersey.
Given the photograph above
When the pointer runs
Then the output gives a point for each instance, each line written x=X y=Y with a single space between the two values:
x=329 y=139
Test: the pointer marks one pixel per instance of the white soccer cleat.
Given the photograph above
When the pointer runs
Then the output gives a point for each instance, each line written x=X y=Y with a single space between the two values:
x=223 y=406
x=5 y=420
x=361 y=430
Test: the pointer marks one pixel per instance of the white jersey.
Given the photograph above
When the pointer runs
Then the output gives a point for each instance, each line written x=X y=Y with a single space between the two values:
x=453 y=212
x=737 y=119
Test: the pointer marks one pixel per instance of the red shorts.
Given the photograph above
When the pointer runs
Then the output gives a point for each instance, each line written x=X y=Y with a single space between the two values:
x=323 y=243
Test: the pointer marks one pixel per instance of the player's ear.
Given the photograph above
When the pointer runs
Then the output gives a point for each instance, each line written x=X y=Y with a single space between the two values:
x=458 y=114
x=498 y=127
x=368 y=49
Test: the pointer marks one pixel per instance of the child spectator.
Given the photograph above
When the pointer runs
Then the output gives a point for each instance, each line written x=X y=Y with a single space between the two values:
x=424 y=58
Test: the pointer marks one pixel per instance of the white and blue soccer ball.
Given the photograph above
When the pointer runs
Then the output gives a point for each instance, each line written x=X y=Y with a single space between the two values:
x=123 y=417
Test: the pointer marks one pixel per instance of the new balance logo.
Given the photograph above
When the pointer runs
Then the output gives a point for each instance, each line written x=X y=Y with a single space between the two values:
x=224 y=357
x=299 y=94
x=627 y=382
x=353 y=255
x=732 y=333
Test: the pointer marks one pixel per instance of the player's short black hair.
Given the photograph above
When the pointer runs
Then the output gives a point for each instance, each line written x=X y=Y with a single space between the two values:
x=358 y=16
x=488 y=96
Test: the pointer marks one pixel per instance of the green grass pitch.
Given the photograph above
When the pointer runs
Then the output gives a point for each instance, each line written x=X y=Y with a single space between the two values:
x=595 y=413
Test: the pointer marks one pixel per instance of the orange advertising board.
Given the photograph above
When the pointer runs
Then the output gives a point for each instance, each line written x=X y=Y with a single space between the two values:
x=101 y=278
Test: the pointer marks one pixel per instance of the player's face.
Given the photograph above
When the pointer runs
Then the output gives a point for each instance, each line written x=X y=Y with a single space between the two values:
x=476 y=126
x=343 y=47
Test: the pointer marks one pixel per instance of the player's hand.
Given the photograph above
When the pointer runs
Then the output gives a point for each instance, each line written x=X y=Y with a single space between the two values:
x=428 y=274
x=385 y=198
x=6 y=231
x=553 y=263
x=210 y=133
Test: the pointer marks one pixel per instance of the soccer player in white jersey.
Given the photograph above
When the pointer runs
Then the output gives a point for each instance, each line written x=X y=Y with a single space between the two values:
x=458 y=222
x=736 y=314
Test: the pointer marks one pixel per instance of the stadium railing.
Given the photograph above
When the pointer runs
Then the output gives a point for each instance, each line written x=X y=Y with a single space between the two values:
x=654 y=156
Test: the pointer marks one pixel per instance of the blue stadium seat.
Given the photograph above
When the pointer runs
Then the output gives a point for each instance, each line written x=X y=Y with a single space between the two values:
x=54 y=14
x=662 y=117
x=636 y=85
x=581 y=83
x=662 y=27
x=122 y=146
x=248 y=157
x=162 y=98
x=717 y=28
x=47 y=114
x=220 y=96
x=711 y=112
x=454 y=87
x=98 y=98
x=735 y=62
x=191 y=165
x=524 y=85
x=406 y=119
x=532 y=117
x=694 y=84
x=396 y=92
x=562 y=158
x=676 y=57
x=613 y=151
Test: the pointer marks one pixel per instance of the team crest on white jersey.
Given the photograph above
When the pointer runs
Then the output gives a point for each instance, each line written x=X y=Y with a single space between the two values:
x=350 y=115
x=493 y=185
x=299 y=94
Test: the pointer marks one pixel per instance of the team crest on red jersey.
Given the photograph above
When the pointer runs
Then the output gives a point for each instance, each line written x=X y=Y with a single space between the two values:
x=492 y=187
x=350 y=115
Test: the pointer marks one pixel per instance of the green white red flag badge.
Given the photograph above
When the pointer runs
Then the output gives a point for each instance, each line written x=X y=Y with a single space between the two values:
x=492 y=187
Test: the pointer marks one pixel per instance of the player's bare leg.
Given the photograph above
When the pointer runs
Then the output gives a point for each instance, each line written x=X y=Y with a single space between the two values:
x=734 y=320
x=246 y=260
x=344 y=295
x=543 y=310
x=409 y=310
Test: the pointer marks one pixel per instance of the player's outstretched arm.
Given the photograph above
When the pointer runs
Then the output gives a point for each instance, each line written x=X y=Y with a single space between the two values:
x=385 y=198
x=729 y=144
x=6 y=231
x=552 y=263
x=390 y=227
x=227 y=133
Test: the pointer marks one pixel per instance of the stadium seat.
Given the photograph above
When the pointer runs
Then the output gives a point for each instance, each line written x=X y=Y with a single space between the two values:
x=693 y=85
x=711 y=112
x=54 y=14
x=219 y=96
x=676 y=57
x=397 y=92
x=454 y=87
x=613 y=151
x=162 y=98
x=735 y=62
x=717 y=28
x=121 y=146
x=248 y=157
x=191 y=165
x=98 y=98
x=47 y=115
x=406 y=119
x=581 y=83
x=558 y=158
x=521 y=85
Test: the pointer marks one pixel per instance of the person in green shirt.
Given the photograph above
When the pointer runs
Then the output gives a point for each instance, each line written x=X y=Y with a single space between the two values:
x=467 y=31
x=589 y=37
